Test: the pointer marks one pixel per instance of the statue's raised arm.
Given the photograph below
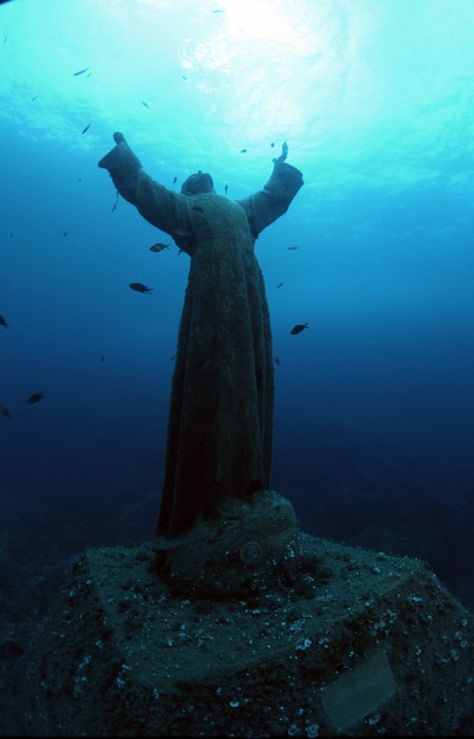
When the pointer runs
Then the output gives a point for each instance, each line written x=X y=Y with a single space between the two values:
x=161 y=207
x=268 y=204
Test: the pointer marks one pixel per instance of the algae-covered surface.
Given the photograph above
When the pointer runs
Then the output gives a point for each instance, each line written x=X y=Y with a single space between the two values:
x=122 y=651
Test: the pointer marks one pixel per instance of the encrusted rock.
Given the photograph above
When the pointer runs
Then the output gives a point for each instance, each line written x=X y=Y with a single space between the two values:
x=246 y=535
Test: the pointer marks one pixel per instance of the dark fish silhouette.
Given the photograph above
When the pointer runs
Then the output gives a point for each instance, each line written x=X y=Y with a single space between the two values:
x=81 y=71
x=159 y=247
x=298 y=328
x=36 y=397
x=3 y=322
x=33 y=99
x=280 y=285
x=145 y=104
x=225 y=189
x=11 y=234
x=272 y=144
x=5 y=412
x=139 y=287
x=293 y=248
x=102 y=358
x=86 y=128
x=64 y=233
x=175 y=179
x=217 y=11
x=242 y=151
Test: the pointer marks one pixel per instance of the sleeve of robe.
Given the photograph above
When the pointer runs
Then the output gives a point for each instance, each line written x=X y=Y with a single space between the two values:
x=268 y=204
x=161 y=207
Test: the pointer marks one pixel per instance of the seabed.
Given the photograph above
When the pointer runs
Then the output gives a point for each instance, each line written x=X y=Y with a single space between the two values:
x=282 y=634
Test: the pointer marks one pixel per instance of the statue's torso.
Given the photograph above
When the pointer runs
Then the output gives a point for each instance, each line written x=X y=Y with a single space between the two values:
x=214 y=218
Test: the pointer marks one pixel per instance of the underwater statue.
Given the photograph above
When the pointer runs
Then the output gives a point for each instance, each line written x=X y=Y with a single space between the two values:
x=219 y=443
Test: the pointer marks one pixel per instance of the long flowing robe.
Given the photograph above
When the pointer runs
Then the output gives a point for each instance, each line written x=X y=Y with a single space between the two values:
x=219 y=440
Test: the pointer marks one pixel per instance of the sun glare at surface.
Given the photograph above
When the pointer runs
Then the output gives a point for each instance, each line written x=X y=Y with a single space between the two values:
x=335 y=79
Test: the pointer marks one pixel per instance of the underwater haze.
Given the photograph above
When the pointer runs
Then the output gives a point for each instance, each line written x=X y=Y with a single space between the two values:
x=374 y=400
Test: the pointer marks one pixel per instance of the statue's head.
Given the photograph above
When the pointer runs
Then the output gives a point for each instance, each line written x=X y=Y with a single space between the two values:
x=197 y=184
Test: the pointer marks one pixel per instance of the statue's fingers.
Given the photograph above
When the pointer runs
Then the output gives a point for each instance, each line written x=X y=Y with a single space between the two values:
x=283 y=155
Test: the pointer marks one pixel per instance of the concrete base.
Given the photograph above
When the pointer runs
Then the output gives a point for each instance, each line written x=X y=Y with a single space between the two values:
x=380 y=647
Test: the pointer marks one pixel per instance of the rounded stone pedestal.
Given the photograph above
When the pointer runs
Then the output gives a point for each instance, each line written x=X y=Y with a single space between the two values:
x=216 y=558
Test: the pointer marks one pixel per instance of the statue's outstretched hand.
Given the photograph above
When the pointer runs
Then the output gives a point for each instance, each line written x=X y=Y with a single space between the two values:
x=121 y=156
x=283 y=155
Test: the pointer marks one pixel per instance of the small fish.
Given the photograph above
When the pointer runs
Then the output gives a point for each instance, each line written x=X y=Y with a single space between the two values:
x=272 y=144
x=87 y=75
x=159 y=247
x=86 y=128
x=11 y=234
x=298 y=328
x=276 y=360
x=217 y=11
x=3 y=322
x=102 y=358
x=65 y=233
x=280 y=285
x=145 y=104
x=198 y=208
x=81 y=71
x=183 y=77
x=140 y=287
x=225 y=189
x=5 y=412
x=175 y=179
x=79 y=179
x=35 y=98
x=36 y=397
x=242 y=151
x=293 y=248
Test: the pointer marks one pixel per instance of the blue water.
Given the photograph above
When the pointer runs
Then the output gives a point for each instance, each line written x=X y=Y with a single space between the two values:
x=374 y=412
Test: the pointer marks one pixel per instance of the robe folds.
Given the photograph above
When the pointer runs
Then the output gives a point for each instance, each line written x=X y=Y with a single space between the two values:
x=219 y=438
